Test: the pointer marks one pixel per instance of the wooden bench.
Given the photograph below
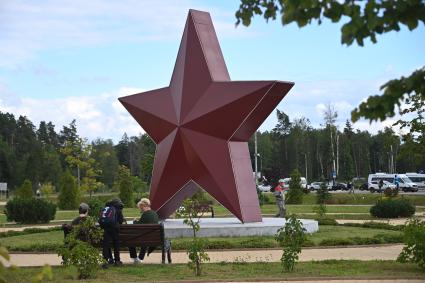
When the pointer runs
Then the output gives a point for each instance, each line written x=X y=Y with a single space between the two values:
x=144 y=235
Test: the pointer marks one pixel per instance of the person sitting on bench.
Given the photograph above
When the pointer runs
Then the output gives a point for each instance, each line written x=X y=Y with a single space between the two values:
x=148 y=216
x=83 y=211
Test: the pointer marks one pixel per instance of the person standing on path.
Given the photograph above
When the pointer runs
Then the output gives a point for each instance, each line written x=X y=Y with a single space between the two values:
x=110 y=220
x=278 y=193
x=380 y=185
x=396 y=182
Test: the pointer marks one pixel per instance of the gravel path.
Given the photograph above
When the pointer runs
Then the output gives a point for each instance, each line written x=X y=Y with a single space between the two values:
x=385 y=252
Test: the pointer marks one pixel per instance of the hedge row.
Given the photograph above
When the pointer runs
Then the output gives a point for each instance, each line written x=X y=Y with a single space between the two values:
x=30 y=211
x=392 y=208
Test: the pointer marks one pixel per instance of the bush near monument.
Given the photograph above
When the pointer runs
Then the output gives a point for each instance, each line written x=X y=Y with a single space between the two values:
x=30 y=210
x=414 y=238
x=291 y=237
x=392 y=208
x=192 y=211
x=82 y=254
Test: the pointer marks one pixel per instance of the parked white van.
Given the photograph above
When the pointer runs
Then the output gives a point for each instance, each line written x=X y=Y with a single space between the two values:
x=418 y=179
x=405 y=184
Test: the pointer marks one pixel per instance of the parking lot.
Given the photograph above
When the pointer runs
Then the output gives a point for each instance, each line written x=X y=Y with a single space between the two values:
x=367 y=192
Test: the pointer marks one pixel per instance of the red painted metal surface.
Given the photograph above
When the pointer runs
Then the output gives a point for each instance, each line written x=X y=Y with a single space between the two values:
x=201 y=124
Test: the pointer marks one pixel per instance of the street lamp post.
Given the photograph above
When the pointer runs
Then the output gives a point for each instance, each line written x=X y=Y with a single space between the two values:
x=261 y=164
x=255 y=157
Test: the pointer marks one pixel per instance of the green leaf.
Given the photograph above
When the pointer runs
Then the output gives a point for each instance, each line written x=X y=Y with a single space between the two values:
x=412 y=23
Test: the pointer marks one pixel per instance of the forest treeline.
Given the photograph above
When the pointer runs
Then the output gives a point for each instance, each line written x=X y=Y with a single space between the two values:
x=43 y=154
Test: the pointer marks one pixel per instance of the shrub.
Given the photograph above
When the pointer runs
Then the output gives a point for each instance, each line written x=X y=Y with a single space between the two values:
x=414 y=238
x=82 y=254
x=47 y=189
x=375 y=225
x=291 y=238
x=192 y=211
x=95 y=205
x=125 y=186
x=327 y=221
x=68 y=194
x=392 y=208
x=323 y=195
x=295 y=193
x=25 y=190
x=30 y=210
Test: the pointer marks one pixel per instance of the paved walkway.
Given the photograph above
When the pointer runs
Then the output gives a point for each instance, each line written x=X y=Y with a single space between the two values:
x=347 y=281
x=385 y=252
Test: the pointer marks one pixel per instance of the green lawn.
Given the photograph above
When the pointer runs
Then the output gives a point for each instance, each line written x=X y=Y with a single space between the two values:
x=260 y=271
x=327 y=235
x=300 y=209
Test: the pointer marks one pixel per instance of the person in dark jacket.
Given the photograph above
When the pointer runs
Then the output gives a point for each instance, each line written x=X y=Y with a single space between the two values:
x=111 y=233
x=148 y=216
x=83 y=211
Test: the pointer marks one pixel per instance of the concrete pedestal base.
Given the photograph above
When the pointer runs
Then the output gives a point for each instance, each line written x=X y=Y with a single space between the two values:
x=232 y=227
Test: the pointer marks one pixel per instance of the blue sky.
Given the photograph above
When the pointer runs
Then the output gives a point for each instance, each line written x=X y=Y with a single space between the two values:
x=61 y=60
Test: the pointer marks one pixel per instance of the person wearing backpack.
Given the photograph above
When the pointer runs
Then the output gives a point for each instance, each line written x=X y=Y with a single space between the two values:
x=110 y=219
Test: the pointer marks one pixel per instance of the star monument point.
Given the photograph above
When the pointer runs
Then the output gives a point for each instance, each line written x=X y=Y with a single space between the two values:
x=201 y=124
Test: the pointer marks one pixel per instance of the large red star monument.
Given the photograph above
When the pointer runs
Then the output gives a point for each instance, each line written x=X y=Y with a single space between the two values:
x=201 y=124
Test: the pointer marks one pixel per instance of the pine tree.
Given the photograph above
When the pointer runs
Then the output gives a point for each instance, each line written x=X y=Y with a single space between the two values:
x=126 y=186
x=68 y=195
x=295 y=193
x=25 y=191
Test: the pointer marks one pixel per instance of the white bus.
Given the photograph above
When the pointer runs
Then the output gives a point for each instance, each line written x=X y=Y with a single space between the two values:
x=405 y=184
x=418 y=179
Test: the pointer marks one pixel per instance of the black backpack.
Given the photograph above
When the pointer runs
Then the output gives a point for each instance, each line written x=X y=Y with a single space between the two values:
x=108 y=216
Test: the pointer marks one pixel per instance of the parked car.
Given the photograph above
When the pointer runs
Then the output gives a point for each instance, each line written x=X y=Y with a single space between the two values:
x=374 y=186
x=315 y=185
x=358 y=183
x=339 y=186
x=303 y=183
x=264 y=188
x=363 y=187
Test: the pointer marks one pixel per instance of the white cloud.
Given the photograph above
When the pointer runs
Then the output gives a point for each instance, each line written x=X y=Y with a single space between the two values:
x=100 y=116
x=28 y=27
x=309 y=99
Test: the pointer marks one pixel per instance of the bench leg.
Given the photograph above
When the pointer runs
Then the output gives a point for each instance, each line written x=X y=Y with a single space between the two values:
x=163 y=254
x=169 y=254
x=167 y=246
